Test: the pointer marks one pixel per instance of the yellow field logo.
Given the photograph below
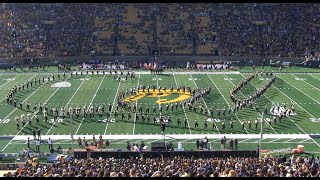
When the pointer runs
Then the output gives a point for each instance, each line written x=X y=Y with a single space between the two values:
x=140 y=94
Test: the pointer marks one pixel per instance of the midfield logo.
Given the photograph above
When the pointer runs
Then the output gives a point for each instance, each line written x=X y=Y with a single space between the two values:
x=156 y=94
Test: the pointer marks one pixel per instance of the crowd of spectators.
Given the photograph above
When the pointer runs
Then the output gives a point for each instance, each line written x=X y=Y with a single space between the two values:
x=288 y=30
x=267 y=166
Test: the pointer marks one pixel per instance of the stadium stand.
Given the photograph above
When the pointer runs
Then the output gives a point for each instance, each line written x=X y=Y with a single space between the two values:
x=181 y=27
x=174 y=167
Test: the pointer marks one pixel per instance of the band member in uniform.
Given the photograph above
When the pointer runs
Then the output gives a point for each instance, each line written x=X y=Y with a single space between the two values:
x=17 y=122
x=178 y=121
x=185 y=122
x=223 y=125
x=205 y=124
x=231 y=124
x=196 y=123
x=249 y=123
x=242 y=124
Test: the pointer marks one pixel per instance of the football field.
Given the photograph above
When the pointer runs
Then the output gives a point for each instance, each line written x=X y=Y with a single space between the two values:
x=302 y=88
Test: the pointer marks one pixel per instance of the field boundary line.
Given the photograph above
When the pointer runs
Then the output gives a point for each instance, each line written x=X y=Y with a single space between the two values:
x=175 y=136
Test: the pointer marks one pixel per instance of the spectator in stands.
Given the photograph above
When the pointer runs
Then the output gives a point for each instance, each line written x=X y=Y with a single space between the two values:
x=142 y=145
x=236 y=144
x=128 y=146
x=177 y=166
x=59 y=150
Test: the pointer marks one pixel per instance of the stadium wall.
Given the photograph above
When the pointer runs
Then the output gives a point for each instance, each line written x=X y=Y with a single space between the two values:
x=153 y=154
x=140 y=59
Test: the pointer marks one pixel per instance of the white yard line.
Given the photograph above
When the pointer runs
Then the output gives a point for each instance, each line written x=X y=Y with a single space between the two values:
x=290 y=140
x=308 y=83
x=202 y=100
x=135 y=114
x=259 y=112
x=17 y=108
x=299 y=90
x=221 y=95
x=299 y=106
x=185 y=114
x=25 y=99
x=244 y=140
x=9 y=81
x=226 y=99
x=105 y=131
x=68 y=103
x=274 y=140
x=304 y=141
x=95 y=94
x=45 y=102
x=314 y=76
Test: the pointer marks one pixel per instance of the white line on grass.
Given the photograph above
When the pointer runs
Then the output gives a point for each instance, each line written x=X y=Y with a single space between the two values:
x=274 y=140
x=298 y=89
x=299 y=106
x=135 y=114
x=185 y=114
x=68 y=103
x=204 y=101
x=17 y=108
x=26 y=98
x=95 y=94
x=307 y=83
x=244 y=140
x=313 y=76
x=265 y=97
x=226 y=100
x=44 y=103
x=6 y=83
x=9 y=81
x=304 y=140
x=105 y=131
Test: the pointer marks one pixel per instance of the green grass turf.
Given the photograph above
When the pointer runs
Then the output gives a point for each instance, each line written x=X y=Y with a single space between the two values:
x=99 y=89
